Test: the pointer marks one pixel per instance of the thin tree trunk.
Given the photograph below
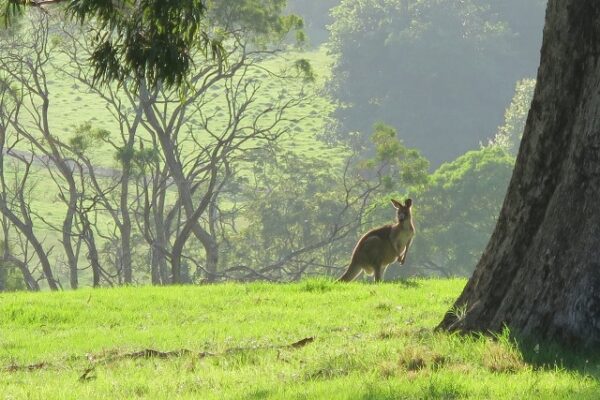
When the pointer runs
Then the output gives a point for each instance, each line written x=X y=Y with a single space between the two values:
x=540 y=273
x=126 y=250
x=67 y=231
x=37 y=246
x=211 y=246
x=88 y=237
x=125 y=226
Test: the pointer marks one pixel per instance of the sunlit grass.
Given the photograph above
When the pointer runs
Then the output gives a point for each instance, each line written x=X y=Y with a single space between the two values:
x=72 y=104
x=369 y=341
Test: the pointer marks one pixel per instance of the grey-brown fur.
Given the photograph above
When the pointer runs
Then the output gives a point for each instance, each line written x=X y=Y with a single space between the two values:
x=381 y=246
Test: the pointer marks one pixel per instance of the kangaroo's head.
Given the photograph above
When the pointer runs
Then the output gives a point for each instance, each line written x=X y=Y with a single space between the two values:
x=403 y=210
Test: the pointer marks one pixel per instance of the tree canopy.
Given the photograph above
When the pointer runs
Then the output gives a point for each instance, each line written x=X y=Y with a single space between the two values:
x=458 y=209
x=157 y=40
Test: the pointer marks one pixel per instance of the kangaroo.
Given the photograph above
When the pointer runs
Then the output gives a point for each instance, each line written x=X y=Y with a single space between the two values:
x=381 y=246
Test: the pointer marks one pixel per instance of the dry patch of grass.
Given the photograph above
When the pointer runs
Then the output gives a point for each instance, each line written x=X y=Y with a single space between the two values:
x=501 y=357
x=416 y=358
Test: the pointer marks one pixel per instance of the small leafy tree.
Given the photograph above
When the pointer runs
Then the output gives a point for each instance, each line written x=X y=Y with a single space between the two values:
x=457 y=211
x=316 y=15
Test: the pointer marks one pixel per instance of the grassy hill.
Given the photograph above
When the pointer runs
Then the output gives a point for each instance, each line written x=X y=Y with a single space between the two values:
x=313 y=339
x=71 y=104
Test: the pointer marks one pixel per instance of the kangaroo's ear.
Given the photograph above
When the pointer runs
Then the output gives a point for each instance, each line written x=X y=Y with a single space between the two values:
x=408 y=203
x=396 y=204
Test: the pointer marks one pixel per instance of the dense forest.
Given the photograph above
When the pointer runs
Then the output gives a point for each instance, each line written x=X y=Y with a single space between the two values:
x=270 y=161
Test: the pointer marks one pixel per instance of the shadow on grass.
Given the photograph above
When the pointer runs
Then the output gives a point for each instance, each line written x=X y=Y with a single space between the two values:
x=551 y=355
x=386 y=394
x=407 y=283
x=512 y=352
x=258 y=394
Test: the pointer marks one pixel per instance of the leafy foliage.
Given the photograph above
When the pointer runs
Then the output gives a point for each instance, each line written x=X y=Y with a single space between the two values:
x=9 y=9
x=158 y=39
x=458 y=209
x=10 y=277
x=153 y=39
x=317 y=16
x=510 y=133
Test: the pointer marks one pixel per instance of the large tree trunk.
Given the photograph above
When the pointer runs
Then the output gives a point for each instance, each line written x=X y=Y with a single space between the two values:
x=540 y=273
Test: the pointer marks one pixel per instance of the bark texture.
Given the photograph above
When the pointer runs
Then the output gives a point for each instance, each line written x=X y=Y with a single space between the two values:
x=540 y=273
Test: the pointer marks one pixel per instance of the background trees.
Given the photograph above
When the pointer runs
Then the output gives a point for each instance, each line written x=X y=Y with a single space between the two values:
x=179 y=183
x=440 y=71
x=304 y=214
x=174 y=148
x=457 y=211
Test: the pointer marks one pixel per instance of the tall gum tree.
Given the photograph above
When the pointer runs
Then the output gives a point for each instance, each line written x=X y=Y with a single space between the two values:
x=540 y=273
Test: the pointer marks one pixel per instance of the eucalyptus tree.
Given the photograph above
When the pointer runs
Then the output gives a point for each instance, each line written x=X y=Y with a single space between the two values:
x=539 y=274
x=150 y=39
x=180 y=144
x=25 y=61
x=15 y=188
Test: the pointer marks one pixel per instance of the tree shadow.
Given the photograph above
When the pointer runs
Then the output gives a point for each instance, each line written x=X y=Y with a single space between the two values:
x=549 y=355
x=258 y=394
x=405 y=282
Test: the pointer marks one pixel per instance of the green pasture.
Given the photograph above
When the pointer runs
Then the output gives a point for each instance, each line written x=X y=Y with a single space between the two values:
x=309 y=340
x=72 y=104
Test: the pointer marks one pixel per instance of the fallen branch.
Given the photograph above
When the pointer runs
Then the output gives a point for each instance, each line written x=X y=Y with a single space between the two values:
x=152 y=353
x=30 y=367
x=86 y=374
x=149 y=353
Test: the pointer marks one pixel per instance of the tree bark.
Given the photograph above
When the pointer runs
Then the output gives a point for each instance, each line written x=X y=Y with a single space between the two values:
x=540 y=273
x=94 y=259
x=29 y=280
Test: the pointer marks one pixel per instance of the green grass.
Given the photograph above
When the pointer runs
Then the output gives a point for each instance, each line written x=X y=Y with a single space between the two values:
x=71 y=105
x=370 y=342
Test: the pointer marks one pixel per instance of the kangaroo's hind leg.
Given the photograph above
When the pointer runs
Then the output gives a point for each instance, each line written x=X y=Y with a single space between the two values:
x=379 y=271
x=354 y=269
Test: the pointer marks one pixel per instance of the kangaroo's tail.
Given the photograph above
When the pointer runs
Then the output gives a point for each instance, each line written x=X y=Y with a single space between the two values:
x=351 y=273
